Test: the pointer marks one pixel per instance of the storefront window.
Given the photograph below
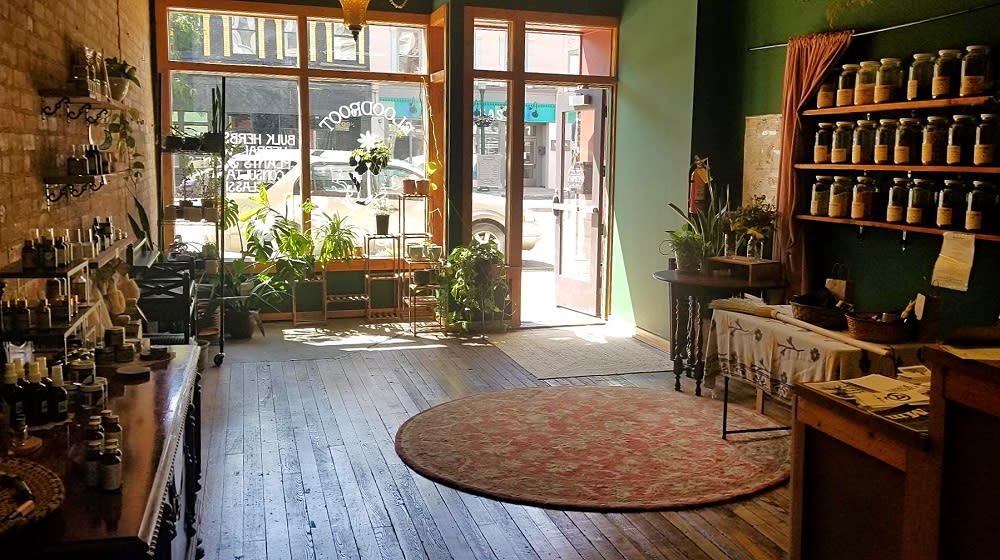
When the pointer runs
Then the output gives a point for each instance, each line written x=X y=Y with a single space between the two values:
x=491 y=39
x=231 y=38
x=553 y=49
x=489 y=159
x=379 y=48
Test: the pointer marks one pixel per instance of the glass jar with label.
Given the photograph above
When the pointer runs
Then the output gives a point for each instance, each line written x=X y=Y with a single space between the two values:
x=976 y=76
x=961 y=140
x=840 y=197
x=935 y=141
x=899 y=195
x=843 y=137
x=824 y=141
x=987 y=133
x=908 y=136
x=827 y=94
x=979 y=206
x=921 y=73
x=889 y=81
x=819 y=203
x=951 y=204
x=863 y=143
x=920 y=204
x=863 y=199
x=845 y=84
x=947 y=69
x=864 y=89
x=885 y=141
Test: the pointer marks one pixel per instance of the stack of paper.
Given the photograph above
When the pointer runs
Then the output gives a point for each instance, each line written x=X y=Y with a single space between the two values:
x=882 y=393
x=919 y=375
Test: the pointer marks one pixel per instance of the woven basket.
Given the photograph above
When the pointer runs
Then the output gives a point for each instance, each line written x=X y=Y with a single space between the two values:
x=45 y=485
x=825 y=317
x=867 y=326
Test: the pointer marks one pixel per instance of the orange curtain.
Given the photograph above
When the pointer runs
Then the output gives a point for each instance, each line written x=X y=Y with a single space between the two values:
x=807 y=62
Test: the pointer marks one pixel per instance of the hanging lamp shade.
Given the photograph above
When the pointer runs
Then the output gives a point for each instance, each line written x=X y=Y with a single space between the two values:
x=354 y=15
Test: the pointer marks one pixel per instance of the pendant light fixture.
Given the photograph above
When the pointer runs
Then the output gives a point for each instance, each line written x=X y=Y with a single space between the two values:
x=356 y=10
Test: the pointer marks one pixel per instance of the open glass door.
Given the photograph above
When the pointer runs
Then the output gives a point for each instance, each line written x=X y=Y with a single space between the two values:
x=579 y=203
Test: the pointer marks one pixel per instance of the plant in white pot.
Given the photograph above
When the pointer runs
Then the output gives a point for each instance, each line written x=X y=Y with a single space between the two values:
x=120 y=75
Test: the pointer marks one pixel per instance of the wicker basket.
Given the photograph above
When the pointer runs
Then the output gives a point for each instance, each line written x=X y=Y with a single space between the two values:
x=868 y=327
x=821 y=316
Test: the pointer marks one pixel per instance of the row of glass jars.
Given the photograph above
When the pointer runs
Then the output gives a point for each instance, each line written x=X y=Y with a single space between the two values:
x=919 y=202
x=930 y=76
x=908 y=141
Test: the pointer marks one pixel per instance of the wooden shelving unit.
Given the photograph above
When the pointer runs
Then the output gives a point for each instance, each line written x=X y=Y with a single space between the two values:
x=901 y=106
x=887 y=225
x=917 y=168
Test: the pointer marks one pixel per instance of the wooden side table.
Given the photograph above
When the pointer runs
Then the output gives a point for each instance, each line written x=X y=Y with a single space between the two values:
x=690 y=294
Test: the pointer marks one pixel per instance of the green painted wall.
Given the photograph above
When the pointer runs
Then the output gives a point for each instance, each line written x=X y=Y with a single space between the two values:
x=732 y=77
x=655 y=97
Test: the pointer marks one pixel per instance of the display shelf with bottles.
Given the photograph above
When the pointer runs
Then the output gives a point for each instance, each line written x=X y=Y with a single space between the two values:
x=916 y=168
x=892 y=226
x=902 y=106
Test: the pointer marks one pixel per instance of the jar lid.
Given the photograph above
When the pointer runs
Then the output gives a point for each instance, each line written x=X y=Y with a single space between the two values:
x=937 y=119
x=909 y=120
x=824 y=178
x=924 y=182
x=92 y=388
x=954 y=182
x=866 y=123
x=965 y=118
x=826 y=125
x=900 y=180
x=851 y=66
x=869 y=63
x=93 y=422
x=111 y=444
x=923 y=56
x=845 y=123
x=865 y=179
x=950 y=52
x=841 y=179
x=888 y=121
x=982 y=184
x=975 y=48
x=890 y=61
x=95 y=444
x=988 y=117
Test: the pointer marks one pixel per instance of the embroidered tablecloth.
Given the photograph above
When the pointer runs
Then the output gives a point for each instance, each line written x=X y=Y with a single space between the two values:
x=773 y=355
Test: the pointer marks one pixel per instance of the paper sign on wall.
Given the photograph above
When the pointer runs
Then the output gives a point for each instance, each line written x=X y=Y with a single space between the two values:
x=954 y=263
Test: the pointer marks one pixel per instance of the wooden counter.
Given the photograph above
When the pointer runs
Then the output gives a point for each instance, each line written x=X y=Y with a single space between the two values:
x=154 y=515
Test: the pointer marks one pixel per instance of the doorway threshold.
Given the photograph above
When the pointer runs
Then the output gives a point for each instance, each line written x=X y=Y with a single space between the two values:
x=560 y=317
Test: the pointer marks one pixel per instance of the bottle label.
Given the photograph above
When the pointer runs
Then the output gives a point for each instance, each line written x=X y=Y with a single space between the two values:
x=111 y=476
x=91 y=472
x=945 y=216
x=954 y=155
x=973 y=220
x=820 y=204
x=864 y=94
x=883 y=94
x=882 y=153
x=62 y=407
x=18 y=408
x=902 y=154
x=845 y=97
x=940 y=86
x=825 y=99
x=983 y=154
x=972 y=85
x=914 y=215
x=821 y=154
x=929 y=155
x=859 y=209
x=839 y=205
x=894 y=214
x=912 y=88
x=838 y=155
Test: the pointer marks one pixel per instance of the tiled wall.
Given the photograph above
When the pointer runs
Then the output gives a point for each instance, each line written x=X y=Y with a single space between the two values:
x=37 y=38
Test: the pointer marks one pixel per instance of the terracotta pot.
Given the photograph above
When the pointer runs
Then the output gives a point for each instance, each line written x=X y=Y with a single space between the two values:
x=409 y=186
x=423 y=186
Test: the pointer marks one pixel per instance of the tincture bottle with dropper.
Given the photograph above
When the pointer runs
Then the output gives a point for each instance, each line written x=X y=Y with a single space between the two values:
x=111 y=467
x=36 y=398
x=58 y=396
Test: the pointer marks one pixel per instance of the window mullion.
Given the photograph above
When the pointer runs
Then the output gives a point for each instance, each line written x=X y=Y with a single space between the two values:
x=305 y=140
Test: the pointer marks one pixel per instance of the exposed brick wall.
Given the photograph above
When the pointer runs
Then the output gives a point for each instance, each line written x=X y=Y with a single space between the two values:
x=37 y=38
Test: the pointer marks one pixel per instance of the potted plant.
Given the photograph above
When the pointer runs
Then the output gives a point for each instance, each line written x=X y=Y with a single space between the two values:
x=751 y=224
x=213 y=141
x=382 y=212
x=709 y=220
x=337 y=240
x=688 y=246
x=475 y=285
x=120 y=75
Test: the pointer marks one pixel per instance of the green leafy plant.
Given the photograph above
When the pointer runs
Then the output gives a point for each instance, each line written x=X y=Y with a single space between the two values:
x=371 y=157
x=688 y=245
x=755 y=219
x=121 y=69
x=709 y=222
x=476 y=285
x=337 y=239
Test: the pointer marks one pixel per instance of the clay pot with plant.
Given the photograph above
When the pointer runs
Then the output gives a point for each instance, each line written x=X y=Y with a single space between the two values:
x=688 y=247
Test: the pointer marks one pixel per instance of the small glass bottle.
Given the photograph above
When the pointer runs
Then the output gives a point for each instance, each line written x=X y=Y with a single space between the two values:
x=840 y=197
x=94 y=432
x=863 y=143
x=92 y=463
x=43 y=315
x=935 y=141
x=819 y=203
x=908 y=136
x=979 y=205
x=111 y=467
x=947 y=68
x=863 y=201
x=885 y=141
x=921 y=73
x=29 y=259
x=899 y=195
x=951 y=201
x=961 y=140
x=827 y=94
x=76 y=165
x=112 y=428
x=976 y=75
x=920 y=203
x=987 y=134
x=864 y=90
x=824 y=141
x=58 y=396
x=845 y=84
x=889 y=81
x=843 y=137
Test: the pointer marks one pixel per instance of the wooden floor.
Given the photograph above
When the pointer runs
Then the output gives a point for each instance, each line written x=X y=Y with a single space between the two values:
x=299 y=463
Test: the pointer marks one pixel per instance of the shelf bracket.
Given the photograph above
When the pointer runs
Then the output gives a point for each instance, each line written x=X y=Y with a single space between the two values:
x=48 y=111
x=861 y=233
x=902 y=241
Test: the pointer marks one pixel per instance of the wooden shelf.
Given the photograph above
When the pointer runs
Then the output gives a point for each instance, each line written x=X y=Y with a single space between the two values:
x=13 y=270
x=81 y=179
x=898 y=168
x=887 y=225
x=901 y=106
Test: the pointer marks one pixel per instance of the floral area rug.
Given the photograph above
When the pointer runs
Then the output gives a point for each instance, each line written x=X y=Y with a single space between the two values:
x=594 y=448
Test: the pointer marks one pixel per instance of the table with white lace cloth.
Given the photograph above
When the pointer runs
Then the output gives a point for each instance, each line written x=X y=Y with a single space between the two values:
x=773 y=355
